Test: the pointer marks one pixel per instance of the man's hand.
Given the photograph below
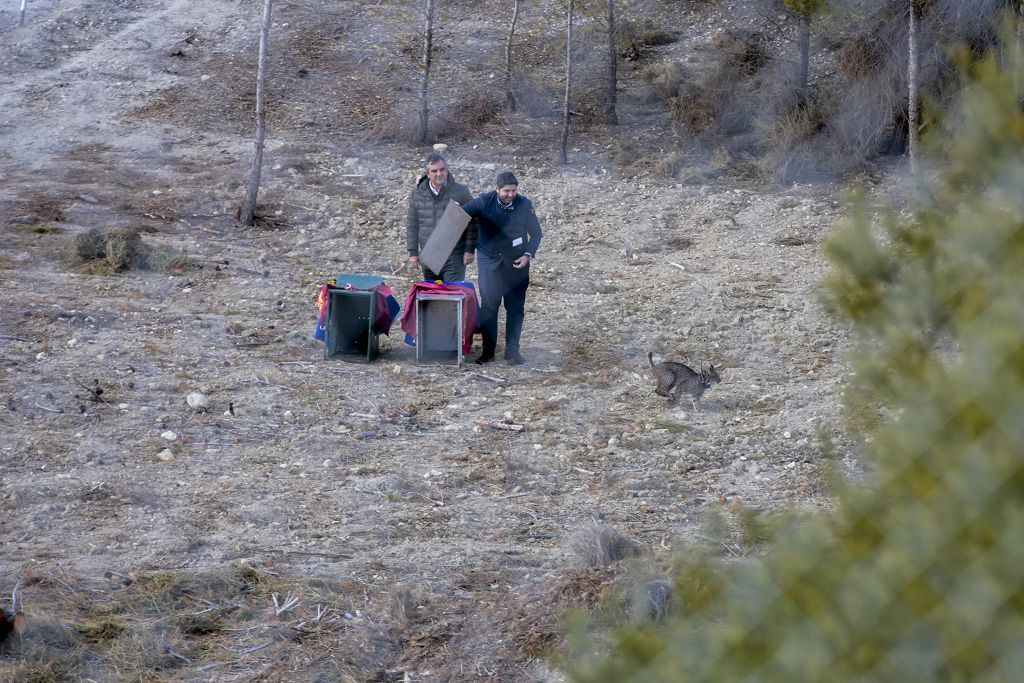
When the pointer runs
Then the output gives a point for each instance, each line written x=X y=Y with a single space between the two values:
x=414 y=261
x=468 y=257
x=522 y=261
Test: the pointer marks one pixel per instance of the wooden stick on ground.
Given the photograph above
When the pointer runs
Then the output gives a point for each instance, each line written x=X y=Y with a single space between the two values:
x=505 y=426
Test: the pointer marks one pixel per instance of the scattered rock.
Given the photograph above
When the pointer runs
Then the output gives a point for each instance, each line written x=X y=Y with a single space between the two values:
x=165 y=455
x=197 y=402
x=169 y=436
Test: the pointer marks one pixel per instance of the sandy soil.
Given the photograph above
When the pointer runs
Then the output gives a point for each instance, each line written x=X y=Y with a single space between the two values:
x=124 y=114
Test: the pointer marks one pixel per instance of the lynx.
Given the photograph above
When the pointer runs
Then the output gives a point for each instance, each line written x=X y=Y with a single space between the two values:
x=675 y=378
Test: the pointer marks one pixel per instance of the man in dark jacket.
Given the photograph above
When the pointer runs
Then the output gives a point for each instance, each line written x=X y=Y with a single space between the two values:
x=508 y=239
x=426 y=206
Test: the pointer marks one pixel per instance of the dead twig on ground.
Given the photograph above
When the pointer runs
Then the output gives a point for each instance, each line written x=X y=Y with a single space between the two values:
x=498 y=380
x=290 y=602
x=504 y=426
x=95 y=391
x=47 y=409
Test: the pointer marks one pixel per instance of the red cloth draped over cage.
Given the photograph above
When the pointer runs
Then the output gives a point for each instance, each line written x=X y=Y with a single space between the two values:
x=469 y=309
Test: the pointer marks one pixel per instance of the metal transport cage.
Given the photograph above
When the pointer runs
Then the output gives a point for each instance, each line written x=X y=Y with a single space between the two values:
x=439 y=331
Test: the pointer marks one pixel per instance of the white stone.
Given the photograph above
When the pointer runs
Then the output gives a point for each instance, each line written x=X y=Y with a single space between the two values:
x=169 y=436
x=787 y=435
x=197 y=401
x=166 y=455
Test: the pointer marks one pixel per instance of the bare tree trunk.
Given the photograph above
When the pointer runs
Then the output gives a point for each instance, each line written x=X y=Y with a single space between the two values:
x=913 y=96
x=804 y=42
x=24 y=5
x=611 y=116
x=563 y=157
x=509 y=96
x=428 y=49
x=248 y=212
x=1016 y=66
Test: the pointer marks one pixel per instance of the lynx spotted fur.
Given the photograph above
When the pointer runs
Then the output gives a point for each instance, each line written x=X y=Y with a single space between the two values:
x=676 y=378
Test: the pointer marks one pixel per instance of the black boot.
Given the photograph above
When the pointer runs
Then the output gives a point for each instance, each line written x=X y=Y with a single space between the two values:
x=513 y=328
x=487 y=350
x=514 y=357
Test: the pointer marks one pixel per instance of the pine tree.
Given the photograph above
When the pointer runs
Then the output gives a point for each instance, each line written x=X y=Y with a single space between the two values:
x=918 y=572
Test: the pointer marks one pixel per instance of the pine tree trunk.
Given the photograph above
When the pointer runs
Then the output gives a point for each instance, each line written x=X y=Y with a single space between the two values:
x=1016 y=64
x=805 y=53
x=510 y=98
x=913 y=96
x=428 y=48
x=563 y=157
x=611 y=116
x=248 y=211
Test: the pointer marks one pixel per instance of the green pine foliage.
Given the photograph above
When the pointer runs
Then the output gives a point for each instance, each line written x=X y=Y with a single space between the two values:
x=918 y=574
x=804 y=8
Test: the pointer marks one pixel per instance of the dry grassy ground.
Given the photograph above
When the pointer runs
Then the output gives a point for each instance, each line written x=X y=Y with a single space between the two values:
x=420 y=546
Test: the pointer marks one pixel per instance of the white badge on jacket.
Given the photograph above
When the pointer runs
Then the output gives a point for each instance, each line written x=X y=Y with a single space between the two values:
x=517 y=241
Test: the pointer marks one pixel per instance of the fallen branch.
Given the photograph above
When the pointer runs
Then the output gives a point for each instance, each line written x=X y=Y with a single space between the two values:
x=290 y=602
x=677 y=265
x=251 y=649
x=49 y=410
x=499 y=380
x=96 y=392
x=505 y=426
x=8 y=337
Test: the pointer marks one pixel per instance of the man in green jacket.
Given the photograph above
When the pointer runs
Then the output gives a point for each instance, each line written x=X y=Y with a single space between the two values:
x=426 y=206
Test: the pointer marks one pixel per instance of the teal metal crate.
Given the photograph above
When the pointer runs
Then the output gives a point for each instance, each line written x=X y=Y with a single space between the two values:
x=350 y=317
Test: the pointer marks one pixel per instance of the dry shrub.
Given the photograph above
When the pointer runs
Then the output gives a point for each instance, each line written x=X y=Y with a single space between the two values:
x=792 y=239
x=669 y=165
x=518 y=626
x=538 y=627
x=100 y=630
x=591 y=107
x=40 y=664
x=38 y=210
x=636 y=37
x=650 y=600
x=722 y=102
x=468 y=116
x=666 y=78
x=111 y=251
x=266 y=216
x=137 y=655
x=862 y=55
x=600 y=545
x=744 y=53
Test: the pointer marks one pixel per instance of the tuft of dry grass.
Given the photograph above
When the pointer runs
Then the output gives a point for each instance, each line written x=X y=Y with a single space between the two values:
x=636 y=38
x=147 y=626
x=600 y=545
x=110 y=251
x=37 y=210
x=650 y=600
x=100 y=630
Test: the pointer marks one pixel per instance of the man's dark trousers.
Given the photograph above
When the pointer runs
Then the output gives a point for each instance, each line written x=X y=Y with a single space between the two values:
x=453 y=270
x=500 y=281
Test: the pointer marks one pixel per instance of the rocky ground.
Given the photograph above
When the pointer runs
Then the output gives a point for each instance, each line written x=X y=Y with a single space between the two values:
x=445 y=548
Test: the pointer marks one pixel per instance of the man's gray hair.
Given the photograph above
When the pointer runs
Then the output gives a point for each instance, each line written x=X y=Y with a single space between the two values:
x=433 y=158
